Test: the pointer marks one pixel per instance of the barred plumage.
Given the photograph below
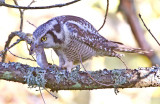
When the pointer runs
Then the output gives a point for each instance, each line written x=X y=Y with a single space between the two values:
x=72 y=37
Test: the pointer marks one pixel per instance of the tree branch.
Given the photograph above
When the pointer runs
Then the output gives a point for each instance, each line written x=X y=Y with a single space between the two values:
x=105 y=17
x=38 y=7
x=23 y=36
x=79 y=80
x=148 y=29
x=127 y=8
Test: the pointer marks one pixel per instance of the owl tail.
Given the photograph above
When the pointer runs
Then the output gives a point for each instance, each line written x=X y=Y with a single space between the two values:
x=123 y=48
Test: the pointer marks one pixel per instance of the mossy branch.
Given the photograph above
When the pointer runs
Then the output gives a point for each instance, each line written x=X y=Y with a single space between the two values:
x=79 y=80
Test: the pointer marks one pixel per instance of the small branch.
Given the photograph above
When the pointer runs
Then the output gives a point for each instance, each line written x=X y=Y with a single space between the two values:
x=33 y=1
x=42 y=96
x=105 y=17
x=79 y=80
x=21 y=57
x=39 y=7
x=90 y=75
x=127 y=8
x=148 y=29
x=10 y=37
x=21 y=15
x=32 y=24
x=3 y=52
x=21 y=35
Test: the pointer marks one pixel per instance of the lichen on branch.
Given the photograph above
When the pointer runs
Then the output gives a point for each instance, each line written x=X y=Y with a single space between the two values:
x=79 y=80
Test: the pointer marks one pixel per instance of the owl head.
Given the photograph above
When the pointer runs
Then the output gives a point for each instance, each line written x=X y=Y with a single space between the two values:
x=48 y=35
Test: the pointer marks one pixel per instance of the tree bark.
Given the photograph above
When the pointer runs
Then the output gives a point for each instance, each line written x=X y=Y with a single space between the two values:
x=80 y=80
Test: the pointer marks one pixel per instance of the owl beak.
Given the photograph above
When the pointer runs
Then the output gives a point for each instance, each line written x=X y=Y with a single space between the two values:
x=34 y=47
x=31 y=51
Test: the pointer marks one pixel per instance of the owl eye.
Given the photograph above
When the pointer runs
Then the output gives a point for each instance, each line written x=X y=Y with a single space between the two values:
x=43 y=38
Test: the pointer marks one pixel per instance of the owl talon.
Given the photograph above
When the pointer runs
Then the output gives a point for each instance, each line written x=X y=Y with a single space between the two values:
x=67 y=73
x=60 y=68
x=77 y=68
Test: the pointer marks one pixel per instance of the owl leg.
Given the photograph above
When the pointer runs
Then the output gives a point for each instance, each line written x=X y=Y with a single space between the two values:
x=61 y=61
x=65 y=64
x=68 y=65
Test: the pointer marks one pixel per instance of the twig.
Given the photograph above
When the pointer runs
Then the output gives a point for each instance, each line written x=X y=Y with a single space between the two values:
x=3 y=51
x=31 y=3
x=42 y=95
x=20 y=57
x=105 y=17
x=50 y=93
x=148 y=29
x=128 y=10
x=123 y=62
x=90 y=75
x=39 y=7
x=22 y=37
x=21 y=15
x=10 y=37
x=32 y=24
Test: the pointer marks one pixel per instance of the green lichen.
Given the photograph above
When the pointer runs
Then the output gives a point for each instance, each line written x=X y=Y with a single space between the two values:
x=35 y=77
x=18 y=65
x=74 y=76
x=6 y=65
x=91 y=87
x=60 y=76
x=12 y=63
x=77 y=85
x=118 y=78
x=7 y=75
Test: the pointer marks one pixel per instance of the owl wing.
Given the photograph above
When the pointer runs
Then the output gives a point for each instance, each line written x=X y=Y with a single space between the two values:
x=90 y=36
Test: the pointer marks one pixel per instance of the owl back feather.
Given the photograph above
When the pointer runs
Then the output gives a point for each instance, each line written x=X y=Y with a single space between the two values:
x=127 y=49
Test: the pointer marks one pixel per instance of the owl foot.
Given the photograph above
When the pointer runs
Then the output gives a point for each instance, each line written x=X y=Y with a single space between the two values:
x=77 y=68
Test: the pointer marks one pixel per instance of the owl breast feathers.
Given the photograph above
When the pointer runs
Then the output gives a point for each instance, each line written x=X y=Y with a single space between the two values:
x=73 y=38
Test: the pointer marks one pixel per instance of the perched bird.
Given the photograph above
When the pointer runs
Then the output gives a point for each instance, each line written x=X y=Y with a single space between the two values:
x=73 y=38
